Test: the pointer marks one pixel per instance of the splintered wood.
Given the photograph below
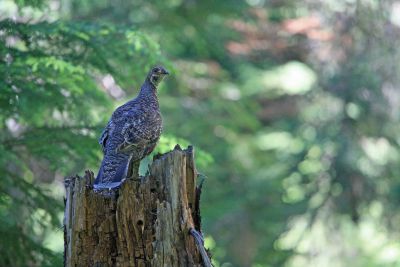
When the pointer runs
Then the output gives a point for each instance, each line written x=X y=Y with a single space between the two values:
x=144 y=223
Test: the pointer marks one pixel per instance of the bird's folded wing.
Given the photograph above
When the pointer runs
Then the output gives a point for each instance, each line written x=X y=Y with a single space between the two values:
x=104 y=136
x=138 y=133
x=132 y=138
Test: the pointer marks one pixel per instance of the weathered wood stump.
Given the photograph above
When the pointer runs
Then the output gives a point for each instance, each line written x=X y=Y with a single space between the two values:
x=146 y=222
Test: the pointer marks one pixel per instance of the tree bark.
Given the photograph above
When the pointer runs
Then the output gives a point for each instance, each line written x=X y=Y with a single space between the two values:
x=148 y=221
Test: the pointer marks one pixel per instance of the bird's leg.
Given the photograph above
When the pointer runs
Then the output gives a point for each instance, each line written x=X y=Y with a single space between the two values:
x=133 y=170
x=125 y=147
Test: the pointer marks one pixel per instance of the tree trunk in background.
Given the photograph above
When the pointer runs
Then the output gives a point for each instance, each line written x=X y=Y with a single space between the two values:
x=144 y=223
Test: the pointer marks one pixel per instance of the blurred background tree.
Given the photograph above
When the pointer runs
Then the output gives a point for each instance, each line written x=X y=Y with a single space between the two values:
x=295 y=103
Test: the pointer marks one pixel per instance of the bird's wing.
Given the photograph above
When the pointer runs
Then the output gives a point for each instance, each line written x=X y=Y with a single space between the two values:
x=137 y=132
x=133 y=137
x=118 y=116
x=105 y=136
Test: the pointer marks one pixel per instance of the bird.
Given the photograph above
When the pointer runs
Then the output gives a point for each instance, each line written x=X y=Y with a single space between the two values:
x=131 y=133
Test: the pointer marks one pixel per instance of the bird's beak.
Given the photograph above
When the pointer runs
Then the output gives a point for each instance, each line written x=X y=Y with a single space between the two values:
x=165 y=72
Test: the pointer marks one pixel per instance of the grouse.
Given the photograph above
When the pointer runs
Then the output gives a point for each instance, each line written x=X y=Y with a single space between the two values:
x=132 y=132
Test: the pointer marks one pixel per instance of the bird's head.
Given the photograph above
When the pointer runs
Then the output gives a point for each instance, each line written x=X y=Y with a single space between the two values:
x=156 y=75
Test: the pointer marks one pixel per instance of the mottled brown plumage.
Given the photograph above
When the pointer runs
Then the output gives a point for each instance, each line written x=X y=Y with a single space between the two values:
x=132 y=132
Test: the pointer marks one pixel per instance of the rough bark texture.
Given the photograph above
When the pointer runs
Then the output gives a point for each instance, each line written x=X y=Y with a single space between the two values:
x=144 y=223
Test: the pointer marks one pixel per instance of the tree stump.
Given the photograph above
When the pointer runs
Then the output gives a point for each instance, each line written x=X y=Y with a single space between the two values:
x=146 y=222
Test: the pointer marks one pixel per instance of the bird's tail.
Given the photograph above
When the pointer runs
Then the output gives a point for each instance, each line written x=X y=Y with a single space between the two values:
x=110 y=176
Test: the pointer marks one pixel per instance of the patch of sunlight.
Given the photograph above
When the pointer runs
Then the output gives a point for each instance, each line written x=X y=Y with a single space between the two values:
x=318 y=198
x=296 y=146
x=291 y=78
x=230 y=92
x=53 y=237
x=294 y=191
x=55 y=240
x=200 y=68
x=336 y=241
x=56 y=189
x=395 y=13
x=168 y=142
x=290 y=239
x=376 y=209
x=275 y=140
x=311 y=166
x=353 y=110
x=279 y=141
x=306 y=245
x=378 y=150
x=39 y=217
x=297 y=260
x=378 y=243
x=217 y=252
x=209 y=242
x=315 y=152
x=243 y=153
x=369 y=234
x=293 y=179
x=389 y=254
x=293 y=194
x=364 y=164
x=8 y=9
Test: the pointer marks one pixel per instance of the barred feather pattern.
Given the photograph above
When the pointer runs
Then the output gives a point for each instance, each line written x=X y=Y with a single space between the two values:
x=131 y=134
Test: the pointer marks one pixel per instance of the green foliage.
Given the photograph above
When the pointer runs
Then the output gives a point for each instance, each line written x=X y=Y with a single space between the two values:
x=52 y=109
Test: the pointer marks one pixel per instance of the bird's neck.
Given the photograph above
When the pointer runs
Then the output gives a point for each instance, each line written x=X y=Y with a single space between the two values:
x=149 y=92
